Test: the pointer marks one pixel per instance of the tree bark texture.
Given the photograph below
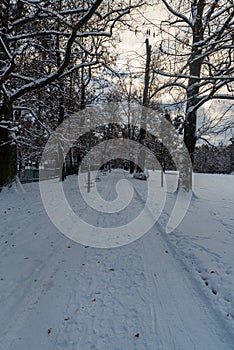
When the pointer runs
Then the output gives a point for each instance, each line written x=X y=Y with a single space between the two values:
x=8 y=151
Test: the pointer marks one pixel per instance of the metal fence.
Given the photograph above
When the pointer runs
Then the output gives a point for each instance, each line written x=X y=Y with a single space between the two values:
x=32 y=174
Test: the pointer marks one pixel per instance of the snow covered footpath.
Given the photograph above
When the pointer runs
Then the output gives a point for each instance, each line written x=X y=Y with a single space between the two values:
x=164 y=292
x=205 y=239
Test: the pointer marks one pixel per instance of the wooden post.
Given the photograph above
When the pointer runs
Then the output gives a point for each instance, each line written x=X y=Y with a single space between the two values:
x=161 y=177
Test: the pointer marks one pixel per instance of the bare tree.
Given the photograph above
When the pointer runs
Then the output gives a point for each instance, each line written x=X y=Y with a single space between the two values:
x=53 y=41
x=196 y=47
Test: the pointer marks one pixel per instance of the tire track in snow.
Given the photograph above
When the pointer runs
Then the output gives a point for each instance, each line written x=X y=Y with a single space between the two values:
x=20 y=305
x=120 y=293
x=173 y=306
x=110 y=306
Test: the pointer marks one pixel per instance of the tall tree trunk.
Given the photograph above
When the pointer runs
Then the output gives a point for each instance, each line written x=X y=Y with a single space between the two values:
x=195 y=64
x=190 y=138
x=61 y=155
x=145 y=103
x=193 y=88
x=8 y=152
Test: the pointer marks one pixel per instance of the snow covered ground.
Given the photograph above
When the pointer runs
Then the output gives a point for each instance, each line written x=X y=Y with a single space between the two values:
x=163 y=291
